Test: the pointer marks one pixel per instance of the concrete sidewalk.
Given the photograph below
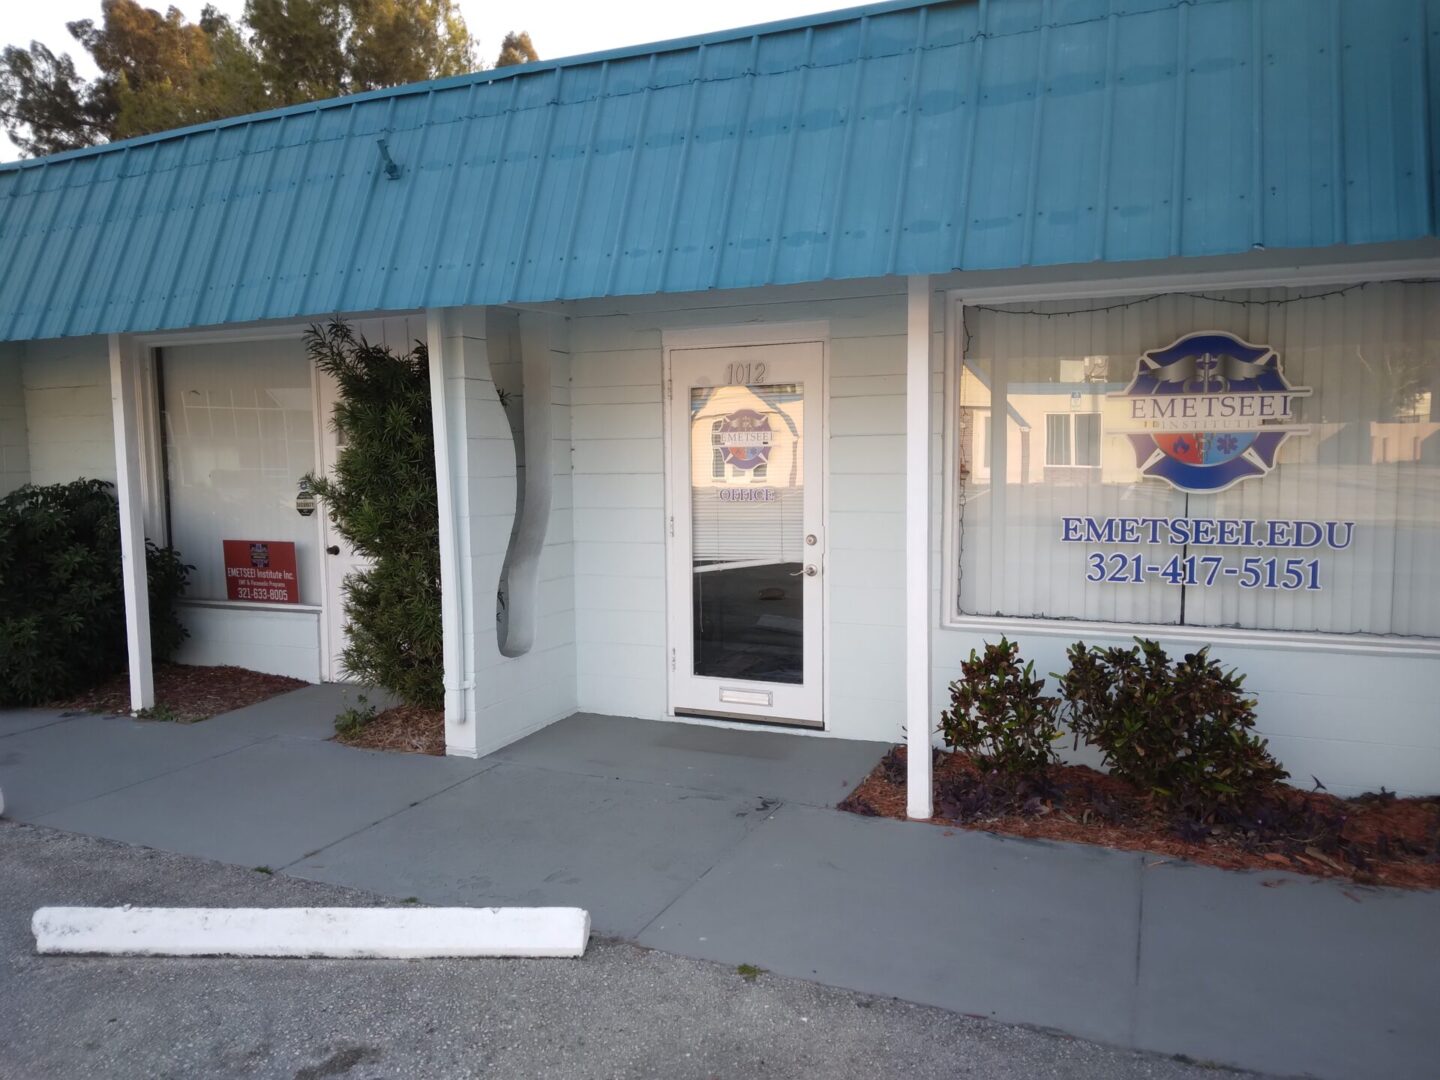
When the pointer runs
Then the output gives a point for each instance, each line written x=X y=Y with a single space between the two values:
x=722 y=845
x=622 y=1013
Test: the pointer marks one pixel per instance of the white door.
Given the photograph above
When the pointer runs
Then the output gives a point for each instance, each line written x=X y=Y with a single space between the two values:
x=338 y=558
x=746 y=552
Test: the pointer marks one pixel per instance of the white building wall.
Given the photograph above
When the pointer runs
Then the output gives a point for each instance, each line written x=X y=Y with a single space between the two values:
x=262 y=639
x=619 y=494
x=1356 y=719
x=14 y=439
x=507 y=697
x=67 y=410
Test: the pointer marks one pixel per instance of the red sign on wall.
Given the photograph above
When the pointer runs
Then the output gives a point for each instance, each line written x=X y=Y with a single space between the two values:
x=261 y=570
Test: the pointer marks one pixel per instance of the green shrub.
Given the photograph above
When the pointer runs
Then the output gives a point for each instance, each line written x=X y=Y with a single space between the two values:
x=999 y=715
x=1181 y=731
x=62 y=601
x=382 y=497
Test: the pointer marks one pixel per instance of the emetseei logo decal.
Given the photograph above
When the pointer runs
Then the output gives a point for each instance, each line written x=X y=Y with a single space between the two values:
x=1206 y=412
x=745 y=437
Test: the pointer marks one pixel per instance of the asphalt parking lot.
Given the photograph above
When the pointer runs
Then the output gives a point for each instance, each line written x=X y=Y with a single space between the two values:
x=623 y=1011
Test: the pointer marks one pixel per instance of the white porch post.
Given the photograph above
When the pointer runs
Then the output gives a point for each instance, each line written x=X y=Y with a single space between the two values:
x=124 y=392
x=451 y=579
x=917 y=547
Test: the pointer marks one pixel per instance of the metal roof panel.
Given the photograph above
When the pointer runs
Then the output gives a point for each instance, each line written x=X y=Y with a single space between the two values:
x=905 y=137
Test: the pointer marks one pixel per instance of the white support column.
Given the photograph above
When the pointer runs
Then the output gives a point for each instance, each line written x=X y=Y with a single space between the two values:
x=124 y=398
x=917 y=548
x=452 y=593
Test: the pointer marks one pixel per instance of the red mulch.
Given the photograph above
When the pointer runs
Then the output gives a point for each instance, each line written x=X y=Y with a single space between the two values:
x=410 y=729
x=185 y=692
x=1371 y=839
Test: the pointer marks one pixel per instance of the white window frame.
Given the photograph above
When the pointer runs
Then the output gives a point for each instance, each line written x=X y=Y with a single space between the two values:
x=1294 y=277
x=1070 y=443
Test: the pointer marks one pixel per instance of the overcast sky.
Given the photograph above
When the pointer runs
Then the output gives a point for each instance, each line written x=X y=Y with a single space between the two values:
x=557 y=27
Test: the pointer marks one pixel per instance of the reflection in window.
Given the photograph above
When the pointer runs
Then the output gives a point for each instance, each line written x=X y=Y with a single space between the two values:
x=747 y=531
x=1366 y=450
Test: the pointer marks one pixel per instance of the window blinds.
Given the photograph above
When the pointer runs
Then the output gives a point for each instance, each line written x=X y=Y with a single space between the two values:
x=1371 y=456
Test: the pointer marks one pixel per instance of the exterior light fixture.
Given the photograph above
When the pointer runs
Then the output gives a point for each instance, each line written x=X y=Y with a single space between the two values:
x=391 y=169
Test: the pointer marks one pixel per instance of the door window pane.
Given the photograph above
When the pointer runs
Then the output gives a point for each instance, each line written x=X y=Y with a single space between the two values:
x=747 y=525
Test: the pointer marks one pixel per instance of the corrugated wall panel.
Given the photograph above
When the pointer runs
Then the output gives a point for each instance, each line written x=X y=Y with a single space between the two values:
x=721 y=115
x=70 y=199
x=1214 y=217
x=817 y=166
x=1136 y=210
x=1424 y=80
x=648 y=195
x=871 y=177
x=1007 y=113
x=1061 y=212
x=1384 y=119
x=938 y=152
x=1300 y=125
x=755 y=196
x=577 y=133
x=903 y=137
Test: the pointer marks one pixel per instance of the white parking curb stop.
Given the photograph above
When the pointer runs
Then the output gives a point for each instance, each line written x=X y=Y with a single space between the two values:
x=344 y=933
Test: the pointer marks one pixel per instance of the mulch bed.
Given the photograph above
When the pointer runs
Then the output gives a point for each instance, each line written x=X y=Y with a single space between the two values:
x=185 y=692
x=409 y=729
x=1371 y=839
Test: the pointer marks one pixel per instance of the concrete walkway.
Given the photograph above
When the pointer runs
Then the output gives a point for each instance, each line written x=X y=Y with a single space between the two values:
x=722 y=845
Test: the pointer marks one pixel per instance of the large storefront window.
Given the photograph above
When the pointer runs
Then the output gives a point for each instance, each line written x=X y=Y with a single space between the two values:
x=1259 y=459
x=239 y=436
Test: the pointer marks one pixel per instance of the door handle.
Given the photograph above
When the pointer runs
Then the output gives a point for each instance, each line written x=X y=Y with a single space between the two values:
x=809 y=571
x=333 y=549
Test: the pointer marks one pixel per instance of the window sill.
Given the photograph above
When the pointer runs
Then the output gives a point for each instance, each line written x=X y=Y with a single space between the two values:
x=247 y=605
x=1308 y=641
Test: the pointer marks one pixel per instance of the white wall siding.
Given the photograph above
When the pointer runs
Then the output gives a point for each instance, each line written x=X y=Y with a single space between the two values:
x=14 y=439
x=1355 y=719
x=261 y=639
x=507 y=697
x=619 y=494
x=68 y=410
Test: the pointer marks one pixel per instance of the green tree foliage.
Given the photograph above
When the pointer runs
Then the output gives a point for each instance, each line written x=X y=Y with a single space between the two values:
x=45 y=106
x=301 y=47
x=160 y=71
x=383 y=499
x=62 y=601
x=392 y=42
x=516 y=49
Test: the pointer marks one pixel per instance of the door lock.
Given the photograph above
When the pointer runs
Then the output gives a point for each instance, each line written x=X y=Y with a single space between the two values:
x=810 y=570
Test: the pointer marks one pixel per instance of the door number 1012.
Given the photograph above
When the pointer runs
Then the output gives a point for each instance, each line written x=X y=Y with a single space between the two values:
x=745 y=374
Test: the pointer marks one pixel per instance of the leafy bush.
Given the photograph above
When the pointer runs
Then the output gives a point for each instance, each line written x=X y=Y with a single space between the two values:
x=62 y=600
x=383 y=499
x=1181 y=732
x=999 y=716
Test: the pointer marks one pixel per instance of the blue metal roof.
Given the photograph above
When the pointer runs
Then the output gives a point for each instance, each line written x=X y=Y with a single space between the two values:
x=896 y=138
